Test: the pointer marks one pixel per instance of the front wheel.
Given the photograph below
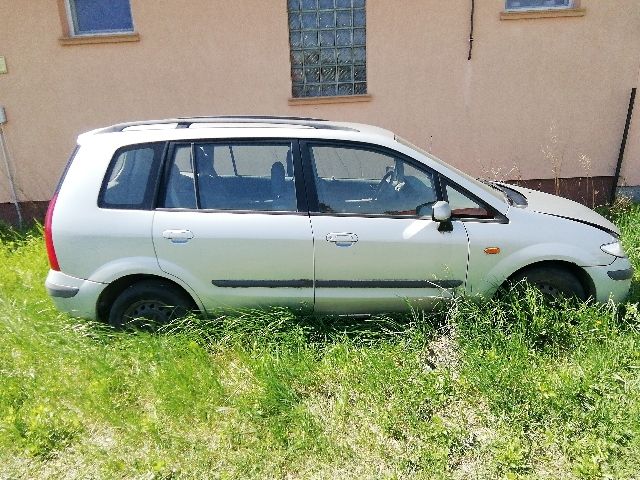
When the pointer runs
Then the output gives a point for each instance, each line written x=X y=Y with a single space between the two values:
x=150 y=303
x=553 y=282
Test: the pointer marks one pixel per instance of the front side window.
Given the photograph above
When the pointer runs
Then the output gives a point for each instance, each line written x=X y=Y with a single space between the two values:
x=131 y=179
x=95 y=17
x=537 y=4
x=225 y=176
x=328 y=47
x=464 y=206
x=364 y=181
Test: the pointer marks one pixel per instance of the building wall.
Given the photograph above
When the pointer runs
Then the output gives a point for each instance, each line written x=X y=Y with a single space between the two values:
x=630 y=172
x=541 y=98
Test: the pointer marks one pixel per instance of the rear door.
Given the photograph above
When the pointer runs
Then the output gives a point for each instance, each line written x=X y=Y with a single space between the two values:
x=376 y=247
x=233 y=224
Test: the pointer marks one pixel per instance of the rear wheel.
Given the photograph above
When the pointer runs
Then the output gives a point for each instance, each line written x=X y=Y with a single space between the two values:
x=150 y=303
x=553 y=282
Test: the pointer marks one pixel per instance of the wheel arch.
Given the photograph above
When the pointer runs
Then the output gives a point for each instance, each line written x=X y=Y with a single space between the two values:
x=584 y=278
x=115 y=288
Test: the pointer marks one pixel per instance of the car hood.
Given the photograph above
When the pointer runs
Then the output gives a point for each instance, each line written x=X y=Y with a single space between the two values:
x=561 y=207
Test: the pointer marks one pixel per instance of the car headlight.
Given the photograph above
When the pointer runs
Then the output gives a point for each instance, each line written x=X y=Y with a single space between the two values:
x=614 y=249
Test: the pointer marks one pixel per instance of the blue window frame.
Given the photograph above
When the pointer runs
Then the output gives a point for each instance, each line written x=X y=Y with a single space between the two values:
x=95 y=17
x=327 y=39
x=537 y=4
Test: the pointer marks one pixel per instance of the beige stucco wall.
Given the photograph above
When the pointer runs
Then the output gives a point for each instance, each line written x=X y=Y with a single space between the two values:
x=556 y=84
x=630 y=173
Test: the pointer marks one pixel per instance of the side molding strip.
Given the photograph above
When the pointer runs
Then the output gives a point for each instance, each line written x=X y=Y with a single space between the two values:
x=263 y=283
x=388 y=283
x=337 y=283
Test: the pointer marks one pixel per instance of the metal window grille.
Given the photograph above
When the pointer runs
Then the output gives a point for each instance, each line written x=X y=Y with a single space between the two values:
x=328 y=47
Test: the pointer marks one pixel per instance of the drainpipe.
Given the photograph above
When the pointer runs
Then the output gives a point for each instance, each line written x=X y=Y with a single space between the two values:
x=5 y=156
x=473 y=11
x=616 y=176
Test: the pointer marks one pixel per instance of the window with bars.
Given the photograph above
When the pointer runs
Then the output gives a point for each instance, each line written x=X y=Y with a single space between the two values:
x=328 y=47
x=537 y=4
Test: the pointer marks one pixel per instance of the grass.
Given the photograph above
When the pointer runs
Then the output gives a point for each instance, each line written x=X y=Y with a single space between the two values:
x=512 y=389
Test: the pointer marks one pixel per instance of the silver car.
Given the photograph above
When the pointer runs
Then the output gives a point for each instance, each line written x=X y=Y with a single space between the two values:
x=155 y=218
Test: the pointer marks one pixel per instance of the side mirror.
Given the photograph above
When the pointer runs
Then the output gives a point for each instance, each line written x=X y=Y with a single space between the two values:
x=442 y=215
x=441 y=212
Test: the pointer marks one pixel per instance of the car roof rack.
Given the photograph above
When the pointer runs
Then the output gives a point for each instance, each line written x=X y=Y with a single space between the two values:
x=316 y=123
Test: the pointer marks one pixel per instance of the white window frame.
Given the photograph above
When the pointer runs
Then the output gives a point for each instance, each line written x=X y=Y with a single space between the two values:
x=72 y=29
x=570 y=4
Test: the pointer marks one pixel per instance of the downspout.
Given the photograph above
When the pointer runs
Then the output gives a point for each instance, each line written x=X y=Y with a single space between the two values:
x=616 y=176
x=5 y=156
x=473 y=10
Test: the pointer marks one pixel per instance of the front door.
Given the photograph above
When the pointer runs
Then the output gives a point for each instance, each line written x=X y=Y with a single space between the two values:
x=376 y=247
x=229 y=226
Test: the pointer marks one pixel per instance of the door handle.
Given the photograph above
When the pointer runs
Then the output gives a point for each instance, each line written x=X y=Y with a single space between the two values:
x=178 y=236
x=342 y=239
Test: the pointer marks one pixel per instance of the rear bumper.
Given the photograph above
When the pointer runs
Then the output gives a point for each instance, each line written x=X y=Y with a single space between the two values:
x=75 y=296
x=612 y=281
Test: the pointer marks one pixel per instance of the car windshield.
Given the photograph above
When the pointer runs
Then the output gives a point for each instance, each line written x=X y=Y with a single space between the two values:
x=487 y=187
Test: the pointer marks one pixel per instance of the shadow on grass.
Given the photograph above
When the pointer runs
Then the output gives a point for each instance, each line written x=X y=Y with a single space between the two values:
x=521 y=312
x=282 y=326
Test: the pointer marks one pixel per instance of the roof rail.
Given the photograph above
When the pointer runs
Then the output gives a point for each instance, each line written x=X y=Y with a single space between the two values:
x=188 y=122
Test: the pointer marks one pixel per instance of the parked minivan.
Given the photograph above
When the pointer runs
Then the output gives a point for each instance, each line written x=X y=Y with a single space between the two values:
x=152 y=219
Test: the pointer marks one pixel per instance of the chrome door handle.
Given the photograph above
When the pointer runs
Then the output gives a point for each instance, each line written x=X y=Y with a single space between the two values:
x=342 y=239
x=178 y=236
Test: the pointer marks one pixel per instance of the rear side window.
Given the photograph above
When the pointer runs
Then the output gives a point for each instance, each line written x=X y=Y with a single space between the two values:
x=231 y=176
x=131 y=178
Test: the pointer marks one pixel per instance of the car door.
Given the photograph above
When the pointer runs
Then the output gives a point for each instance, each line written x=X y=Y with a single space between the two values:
x=376 y=247
x=229 y=224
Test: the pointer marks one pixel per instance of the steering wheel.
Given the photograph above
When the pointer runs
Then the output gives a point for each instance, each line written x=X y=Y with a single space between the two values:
x=385 y=182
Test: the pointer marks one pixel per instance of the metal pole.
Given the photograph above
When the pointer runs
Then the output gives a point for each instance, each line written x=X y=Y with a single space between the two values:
x=12 y=185
x=623 y=145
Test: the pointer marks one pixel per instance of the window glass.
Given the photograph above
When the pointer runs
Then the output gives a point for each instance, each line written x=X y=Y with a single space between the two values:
x=131 y=178
x=181 y=190
x=232 y=177
x=535 y=4
x=328 y=47
x=361 y=181
x=99 y=16
x=462 y=206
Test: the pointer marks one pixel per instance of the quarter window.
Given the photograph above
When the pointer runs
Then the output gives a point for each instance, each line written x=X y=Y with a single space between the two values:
x=328 y=47
x=95 y=17
x=131 y=178
x=362 y=181
x=538 y=4
x=463 y=206
x=231 y=177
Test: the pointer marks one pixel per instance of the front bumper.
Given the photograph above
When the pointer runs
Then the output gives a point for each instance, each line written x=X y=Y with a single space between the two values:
x=75 y=296
x=612 y=282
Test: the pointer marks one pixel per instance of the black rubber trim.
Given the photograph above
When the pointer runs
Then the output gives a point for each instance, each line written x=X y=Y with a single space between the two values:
x=388 y=283
x=625 y=274
x=61 y=291
x=263 y=283
x=337 y=283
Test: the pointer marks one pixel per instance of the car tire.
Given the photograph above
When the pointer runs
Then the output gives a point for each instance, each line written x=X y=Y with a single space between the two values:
x=553 y=282
x=149 y=304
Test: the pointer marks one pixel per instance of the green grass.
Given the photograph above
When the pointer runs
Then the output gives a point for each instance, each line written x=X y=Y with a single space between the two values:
x=516 y=389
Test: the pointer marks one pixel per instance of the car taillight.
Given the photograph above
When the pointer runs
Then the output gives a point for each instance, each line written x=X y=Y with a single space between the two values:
x=48 y=235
